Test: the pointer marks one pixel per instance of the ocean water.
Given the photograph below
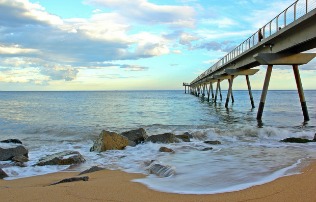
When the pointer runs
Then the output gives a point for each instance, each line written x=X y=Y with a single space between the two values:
x=250 y=153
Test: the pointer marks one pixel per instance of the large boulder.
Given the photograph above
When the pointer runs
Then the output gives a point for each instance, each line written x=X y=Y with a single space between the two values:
x=3 y=174
x=109 y=141
x=166 y=149
x=138 y=136
x=9 y=153
x=62 y=158
x=183 y=137
x=15 y=141
x=163 y=138
x=213 y=142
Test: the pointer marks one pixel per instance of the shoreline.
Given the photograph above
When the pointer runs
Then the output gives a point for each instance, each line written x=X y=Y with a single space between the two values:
x=110 y=185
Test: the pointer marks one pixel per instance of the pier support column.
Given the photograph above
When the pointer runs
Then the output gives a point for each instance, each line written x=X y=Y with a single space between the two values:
x=232 y=95
x=300 y=92
x=220 y=91
x=185 y=89
x=249 y=90
x=217 y=87
x=264 y=92
x=209 y=93
x=229 y=93
x=203 y=94
x=211 y=86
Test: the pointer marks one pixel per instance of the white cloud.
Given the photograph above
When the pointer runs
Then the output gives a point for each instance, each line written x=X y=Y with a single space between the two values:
x=15 y=49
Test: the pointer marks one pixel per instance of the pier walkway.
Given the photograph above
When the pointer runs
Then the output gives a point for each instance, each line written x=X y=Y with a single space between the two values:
x=282 y=41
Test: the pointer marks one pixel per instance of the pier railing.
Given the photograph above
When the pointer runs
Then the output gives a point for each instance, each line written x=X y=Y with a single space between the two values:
x=295 y=11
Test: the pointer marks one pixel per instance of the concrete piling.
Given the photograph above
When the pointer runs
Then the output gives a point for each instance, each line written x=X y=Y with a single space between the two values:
x=264 y=92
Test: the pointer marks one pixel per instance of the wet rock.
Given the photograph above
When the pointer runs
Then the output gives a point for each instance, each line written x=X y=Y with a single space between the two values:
x=314 y=138
x=207 y=149
x=183 y=137
x=21 y=159
x=188 y=134
x=296 y=140
x=212 y=142
x=163 y=138
x=72 y=179
x=91 y=170
x=160 y=170
x=137 y=136
x=3 y=174
x=165 y=149
x=109 y=141
x=8 y=154
x=15 y=141
x=62 y=158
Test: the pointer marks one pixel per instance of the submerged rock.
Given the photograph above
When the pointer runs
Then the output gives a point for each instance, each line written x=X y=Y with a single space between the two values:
x=15 y=141
x=8 y=154
x=184 y=137
x=137 y=136
x=296 y=140
x=163 y=138
x=91 y=170
x=21 y=159
x=3 y=174
x=165 y=149
x=72 y=179
x=207 y=149
x=62 y=158
x=109 y=141
x=160 y=170
x=212 y=142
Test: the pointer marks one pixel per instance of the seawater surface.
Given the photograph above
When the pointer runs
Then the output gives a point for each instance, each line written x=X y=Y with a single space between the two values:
x=251 y=153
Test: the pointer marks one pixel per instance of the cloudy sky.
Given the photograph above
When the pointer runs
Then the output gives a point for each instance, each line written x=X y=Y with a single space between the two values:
x=129 y=45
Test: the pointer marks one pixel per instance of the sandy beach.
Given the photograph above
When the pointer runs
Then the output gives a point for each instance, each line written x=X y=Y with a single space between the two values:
x=117 y=186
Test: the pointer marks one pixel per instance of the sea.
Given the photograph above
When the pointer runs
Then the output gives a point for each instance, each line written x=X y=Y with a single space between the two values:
x=250 y=152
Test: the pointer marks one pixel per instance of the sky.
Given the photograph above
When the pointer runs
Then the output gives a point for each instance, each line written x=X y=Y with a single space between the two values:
x=129 y=45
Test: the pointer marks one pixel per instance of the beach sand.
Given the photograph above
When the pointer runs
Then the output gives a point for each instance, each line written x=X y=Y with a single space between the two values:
x=117 y=186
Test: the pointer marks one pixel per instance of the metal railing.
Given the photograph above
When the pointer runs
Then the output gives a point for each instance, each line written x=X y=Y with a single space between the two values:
x=295 y=11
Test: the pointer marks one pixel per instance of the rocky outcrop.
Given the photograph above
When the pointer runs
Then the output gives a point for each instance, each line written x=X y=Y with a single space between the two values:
x=184 y=137
x=109 y=141
x=72 y=179
x=163 y=138
x=165 y=149
x=8 y=154
x=212 y=142
x=62 y=158
x=91 y=170
x=160 y=170
x=137 y=136
x=3 y=174
x=297 y=140
x=15 y=141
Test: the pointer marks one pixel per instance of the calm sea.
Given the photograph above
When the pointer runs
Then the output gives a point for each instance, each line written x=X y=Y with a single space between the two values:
x=250 y=153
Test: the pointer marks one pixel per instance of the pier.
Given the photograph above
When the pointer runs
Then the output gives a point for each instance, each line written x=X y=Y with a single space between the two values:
x=282 y=41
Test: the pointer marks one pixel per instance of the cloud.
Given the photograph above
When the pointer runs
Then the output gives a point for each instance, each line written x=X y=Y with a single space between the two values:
x=225 y=46
x=15 y=50
x=133 y=68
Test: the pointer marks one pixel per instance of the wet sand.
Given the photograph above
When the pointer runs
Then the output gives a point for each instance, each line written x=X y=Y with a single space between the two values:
x=117 y=186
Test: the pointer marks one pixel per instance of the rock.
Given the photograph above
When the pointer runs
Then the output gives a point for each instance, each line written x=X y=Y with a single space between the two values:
x=296 y=140
x=163 y=138
x=138 y=136
x=160 y=170
x=212 y=142
x=2 y=174
x=91 y=170
x=109 y=141
x=188 y=134
x=314 y=138
x=72 y=179
x=183 y=137
x=21 y=159
x=165 y=149
x=62 y=158
x=15 y=141
x=8 y=154
x=207 y=149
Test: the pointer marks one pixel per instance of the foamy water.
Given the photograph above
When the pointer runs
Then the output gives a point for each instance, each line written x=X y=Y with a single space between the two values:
x=249 y=155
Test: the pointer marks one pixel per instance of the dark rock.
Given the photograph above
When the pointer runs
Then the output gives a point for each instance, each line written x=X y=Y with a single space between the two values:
x=72 y=179
x=296 y=140
x=8 y=154
x=207 y=149
x=91 y=170
x=15 y=141
x=160 y=170
x=2 y=174
x=188 y=134
x=183 y=137
x=62 y=158
x=163 y=138
x=212 y=142
x=131 y=143
x=138 y=136
x=109 y=141
x=314 y=138
x=21 y=159
x=165 y=149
